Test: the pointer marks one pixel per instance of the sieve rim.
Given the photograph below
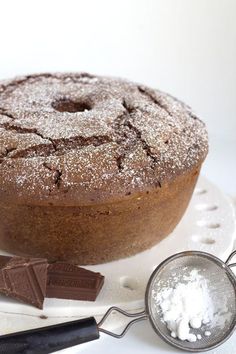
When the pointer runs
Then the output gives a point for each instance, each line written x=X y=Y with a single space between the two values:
x=207 y=255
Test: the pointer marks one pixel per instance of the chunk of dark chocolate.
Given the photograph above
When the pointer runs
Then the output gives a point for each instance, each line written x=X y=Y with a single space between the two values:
x=67 y=281
x=24 y=279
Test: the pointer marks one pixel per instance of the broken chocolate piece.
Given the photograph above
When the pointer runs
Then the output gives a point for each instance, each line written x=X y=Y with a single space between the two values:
x=67 y=281
x=24 y=279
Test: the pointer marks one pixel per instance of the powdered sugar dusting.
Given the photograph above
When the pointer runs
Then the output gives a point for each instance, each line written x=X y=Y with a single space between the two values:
x=101 y=135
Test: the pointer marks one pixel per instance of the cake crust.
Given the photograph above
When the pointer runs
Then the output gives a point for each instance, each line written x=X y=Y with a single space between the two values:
x=79 y=139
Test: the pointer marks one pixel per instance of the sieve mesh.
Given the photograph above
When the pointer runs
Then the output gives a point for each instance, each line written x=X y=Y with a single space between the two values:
x=221 y=284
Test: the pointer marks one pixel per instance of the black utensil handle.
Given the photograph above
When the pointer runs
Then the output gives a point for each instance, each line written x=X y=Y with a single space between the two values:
x=51 y=338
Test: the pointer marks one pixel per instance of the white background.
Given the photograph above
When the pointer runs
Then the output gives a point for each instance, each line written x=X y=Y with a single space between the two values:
x=184 y=47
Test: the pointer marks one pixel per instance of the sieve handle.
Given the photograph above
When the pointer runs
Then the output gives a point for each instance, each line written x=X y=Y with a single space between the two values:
x=231 y=265
x=138 y=316
x=51 y=338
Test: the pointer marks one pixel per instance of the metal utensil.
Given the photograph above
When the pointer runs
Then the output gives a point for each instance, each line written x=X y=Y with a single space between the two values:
x=221 y=283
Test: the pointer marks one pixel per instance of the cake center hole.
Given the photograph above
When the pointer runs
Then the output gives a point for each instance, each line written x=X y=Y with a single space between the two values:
x=67 y=105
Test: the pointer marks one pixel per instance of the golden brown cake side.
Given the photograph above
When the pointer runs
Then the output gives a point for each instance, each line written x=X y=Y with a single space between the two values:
x=99 y=233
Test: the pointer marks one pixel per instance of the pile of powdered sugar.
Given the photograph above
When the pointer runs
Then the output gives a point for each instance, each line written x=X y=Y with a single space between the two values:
x=188 y=305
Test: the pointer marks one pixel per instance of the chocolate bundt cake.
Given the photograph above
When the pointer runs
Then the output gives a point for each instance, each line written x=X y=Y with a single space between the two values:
x=93 y=169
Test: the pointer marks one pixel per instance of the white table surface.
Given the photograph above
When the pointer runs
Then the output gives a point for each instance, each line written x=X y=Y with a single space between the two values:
x=220 y=165
x=220 y=168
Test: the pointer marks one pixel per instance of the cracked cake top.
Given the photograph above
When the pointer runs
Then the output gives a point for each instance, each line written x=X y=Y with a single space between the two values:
x=70 y=139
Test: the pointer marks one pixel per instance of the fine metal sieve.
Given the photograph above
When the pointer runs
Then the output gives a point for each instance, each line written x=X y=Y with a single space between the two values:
x=221 y=285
